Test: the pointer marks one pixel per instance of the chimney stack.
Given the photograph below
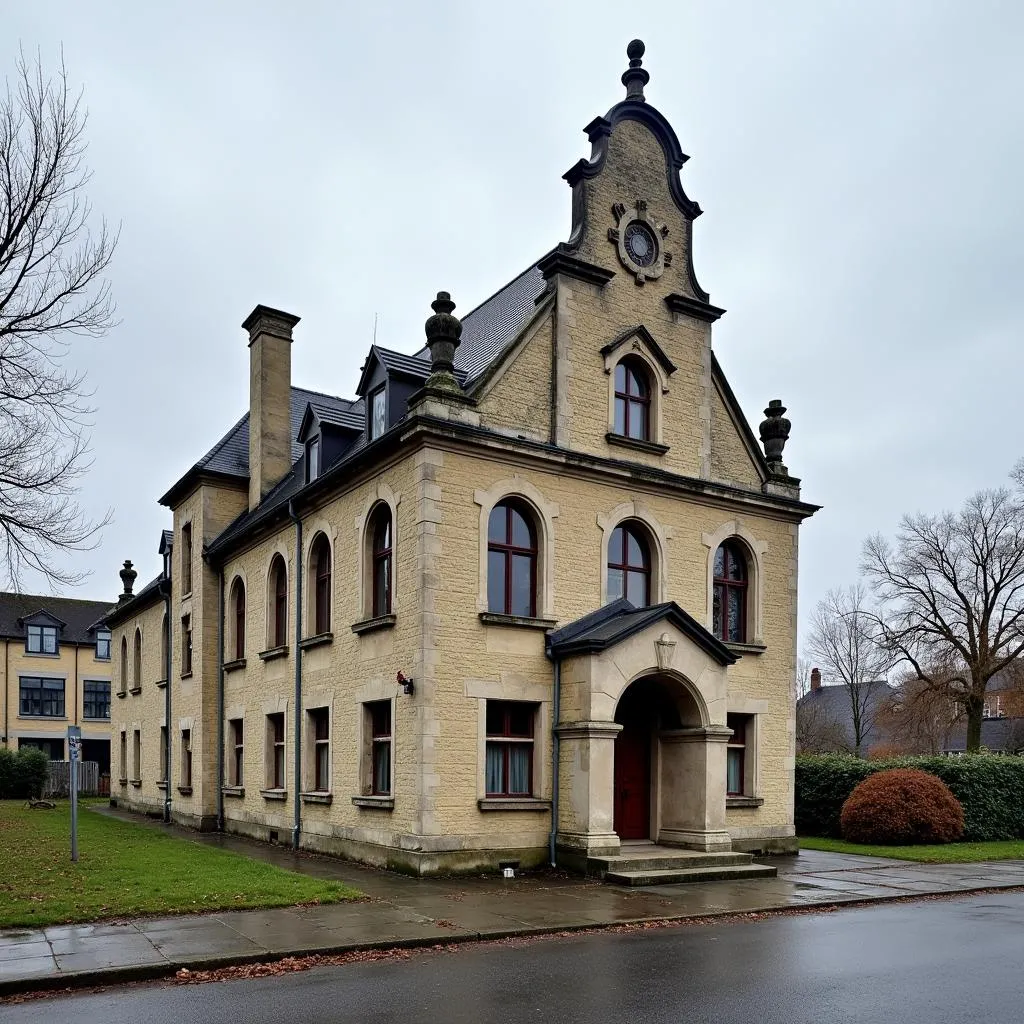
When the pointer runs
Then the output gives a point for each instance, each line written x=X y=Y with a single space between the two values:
x=270 y=397
x=815 y=679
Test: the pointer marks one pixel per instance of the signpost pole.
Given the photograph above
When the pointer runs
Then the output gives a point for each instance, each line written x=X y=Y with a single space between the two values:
x=74 y=753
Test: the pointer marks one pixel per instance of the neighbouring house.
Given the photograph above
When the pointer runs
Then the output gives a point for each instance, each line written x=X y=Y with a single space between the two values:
x=55 y=672
x=825 y=719
x=530 y=592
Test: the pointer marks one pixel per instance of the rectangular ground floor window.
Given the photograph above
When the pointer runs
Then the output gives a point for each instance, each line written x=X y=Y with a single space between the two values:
x=320 y=732
x=736 y=756
x=123 y=760
x=380 y=740
x=161 y=772
x=186 y=758
x=236 y=731
x=275 y=751
x=136 y=754
x=509 y=757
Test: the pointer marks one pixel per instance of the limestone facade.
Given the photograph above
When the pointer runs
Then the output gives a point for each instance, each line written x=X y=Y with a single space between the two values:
x=361 y=679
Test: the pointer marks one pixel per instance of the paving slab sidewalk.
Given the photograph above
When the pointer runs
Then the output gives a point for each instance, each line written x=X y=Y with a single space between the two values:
x=403 y=911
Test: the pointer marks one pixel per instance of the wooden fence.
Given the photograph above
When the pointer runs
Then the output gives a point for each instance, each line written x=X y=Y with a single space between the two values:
x=90 y=783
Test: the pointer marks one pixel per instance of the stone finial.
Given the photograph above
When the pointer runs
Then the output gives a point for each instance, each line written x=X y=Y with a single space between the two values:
x=128 y=576
x=443 y=333
x=635 y=77
x=775 y=430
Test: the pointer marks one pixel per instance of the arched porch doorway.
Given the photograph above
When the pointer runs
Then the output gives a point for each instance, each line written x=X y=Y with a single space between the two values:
x=650 y=710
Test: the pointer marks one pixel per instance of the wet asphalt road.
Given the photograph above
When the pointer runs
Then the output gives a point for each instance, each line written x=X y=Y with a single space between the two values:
x=930 y=962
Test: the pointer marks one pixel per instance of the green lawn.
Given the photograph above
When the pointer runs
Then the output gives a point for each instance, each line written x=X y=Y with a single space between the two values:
x=126 y=869
x=948 y=853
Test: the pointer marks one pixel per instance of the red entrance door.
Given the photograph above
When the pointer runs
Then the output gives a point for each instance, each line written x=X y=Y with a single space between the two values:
x=633 y=780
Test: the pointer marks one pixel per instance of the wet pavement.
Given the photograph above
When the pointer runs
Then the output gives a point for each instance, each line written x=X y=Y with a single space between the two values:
x=399 y=910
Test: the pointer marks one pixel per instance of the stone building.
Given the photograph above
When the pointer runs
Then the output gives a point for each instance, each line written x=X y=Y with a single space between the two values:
x=55 y=672
x=531 y=593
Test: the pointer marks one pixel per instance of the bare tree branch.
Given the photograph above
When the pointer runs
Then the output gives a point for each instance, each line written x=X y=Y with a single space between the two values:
x=52 y=288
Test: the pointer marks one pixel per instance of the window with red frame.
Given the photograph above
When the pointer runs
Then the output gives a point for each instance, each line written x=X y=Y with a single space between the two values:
x=729 y=613
x=279 y=602
x=632 y=400
x=382 y=552
x=322 y=575
x=238 y=603
x=629 y=565
x=380 y=755
x=509 y=748
x=511 y=561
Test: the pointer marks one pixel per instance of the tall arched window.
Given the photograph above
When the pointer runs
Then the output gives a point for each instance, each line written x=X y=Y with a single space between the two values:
x=124 y=664
x=729 y=610
x=632 y=400
x=137 y=660
x=320 y=566
x=238 y=612
x=278 y=618
x=629 y=565
x=511 y=561
x=164 y=667
x=382 y=534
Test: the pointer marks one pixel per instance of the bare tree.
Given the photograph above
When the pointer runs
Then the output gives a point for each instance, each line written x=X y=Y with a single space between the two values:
x=51 y=289
x=919 y=718
x=952 y=587
x=843 y=644
x=803 y=677
x=817 y=731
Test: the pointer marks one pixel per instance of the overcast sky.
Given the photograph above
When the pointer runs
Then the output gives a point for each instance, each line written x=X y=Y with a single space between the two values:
x=859 y=166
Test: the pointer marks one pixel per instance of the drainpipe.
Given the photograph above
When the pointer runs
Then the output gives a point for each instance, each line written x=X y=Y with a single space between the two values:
x=555 y=713
x=297 y=772
x=169 y=633
x=220 y=700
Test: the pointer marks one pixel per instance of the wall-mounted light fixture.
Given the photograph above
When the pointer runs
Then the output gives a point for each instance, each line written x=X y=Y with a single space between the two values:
x=405 y=684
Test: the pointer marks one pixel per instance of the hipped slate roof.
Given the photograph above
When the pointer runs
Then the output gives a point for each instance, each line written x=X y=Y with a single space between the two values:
x=79 y=617
x=615 y=622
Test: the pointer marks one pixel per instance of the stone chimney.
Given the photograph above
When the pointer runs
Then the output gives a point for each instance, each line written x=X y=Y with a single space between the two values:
x=270 y=391
x=815 y=679
x=128 y=576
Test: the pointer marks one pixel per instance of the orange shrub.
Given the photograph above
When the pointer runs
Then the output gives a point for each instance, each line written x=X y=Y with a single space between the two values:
x=902 y=806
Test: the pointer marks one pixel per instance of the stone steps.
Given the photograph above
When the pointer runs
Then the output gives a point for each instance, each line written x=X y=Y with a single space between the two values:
x=660 y=858
x=680 y=874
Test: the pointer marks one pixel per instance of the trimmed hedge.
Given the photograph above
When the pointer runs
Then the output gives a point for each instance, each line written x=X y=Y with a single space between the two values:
x=902 y=806
x=990 y=790
x=23 y=773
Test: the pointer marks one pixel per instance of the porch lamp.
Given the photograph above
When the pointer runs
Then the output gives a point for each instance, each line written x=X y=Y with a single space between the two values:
x=405 y=684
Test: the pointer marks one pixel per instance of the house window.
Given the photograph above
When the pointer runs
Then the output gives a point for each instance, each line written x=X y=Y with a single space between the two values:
x=378 y=418
x=321 y=565
x=123 y=681
x=42 y=698
x=238 y=609
x=136 y=755
x=312 y=459
x=186 y=758
x=41 y=639
x=96 y=700
x=382 y=540
x=729 y=614
x=511 y=561
x=278 y=603
x=103 y=645
x=320 y=729
x=632 y=400
x=137 y=661
x=165 y=669
x=186 y=645
x=736 y=756
x=275 y=750
x=186 y=559
x=380 y=754
x=509 y=765
x=124 y=756
x=237 y=730
x=161 y=773
x=629 y=566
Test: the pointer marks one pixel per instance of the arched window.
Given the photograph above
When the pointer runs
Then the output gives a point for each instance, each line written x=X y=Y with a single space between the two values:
x=238 y=612
x=320 y=569
x=511 y=561
x=124 y=664
x=382 y=535
x=137 y=660
x=629 y=565
x=632 y=400
x=164 y=668
x=729 y=610
x=278 y=618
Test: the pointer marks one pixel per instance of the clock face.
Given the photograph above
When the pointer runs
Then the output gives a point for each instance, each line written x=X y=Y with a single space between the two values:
x=640 y=244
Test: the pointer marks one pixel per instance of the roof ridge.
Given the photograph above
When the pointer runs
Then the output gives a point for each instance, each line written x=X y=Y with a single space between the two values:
x=51 y=597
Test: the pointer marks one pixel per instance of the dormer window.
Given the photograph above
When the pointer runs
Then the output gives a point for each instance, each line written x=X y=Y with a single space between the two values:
x=41 y=639
x=378 y=418
x=312 y=459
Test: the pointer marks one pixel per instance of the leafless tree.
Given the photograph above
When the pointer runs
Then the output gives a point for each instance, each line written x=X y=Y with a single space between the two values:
x=803 y=677
x=919 y=718
x=952 y=589
x=817 y=731
x=52 y=289
x=842 y=643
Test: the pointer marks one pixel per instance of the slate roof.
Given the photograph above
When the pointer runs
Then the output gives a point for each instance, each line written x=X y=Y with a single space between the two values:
x=149 y=593
x=1000 y=734
x=615 y=622
x=835 y=706
x=79 y=617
